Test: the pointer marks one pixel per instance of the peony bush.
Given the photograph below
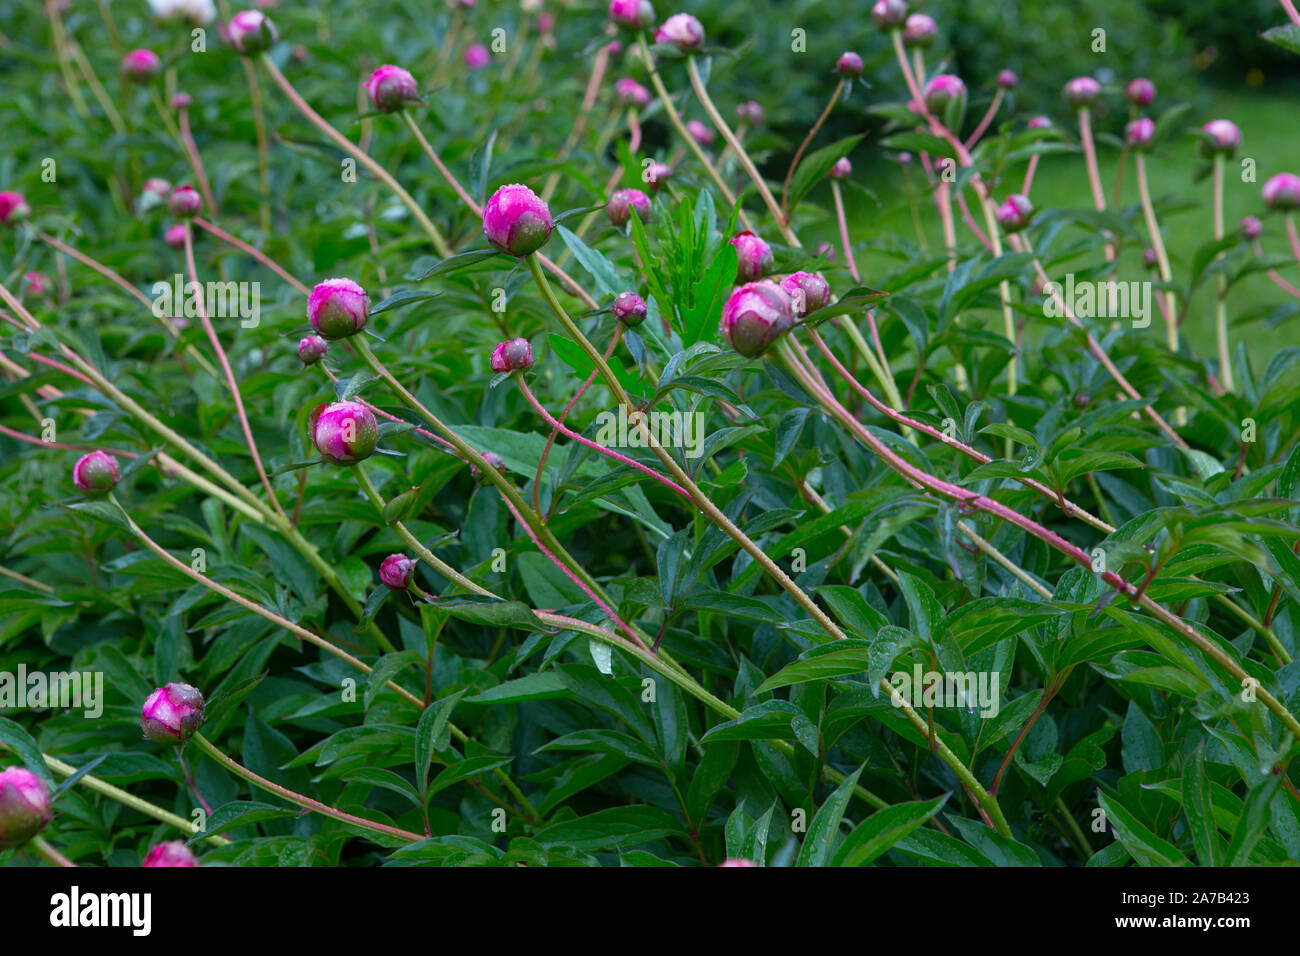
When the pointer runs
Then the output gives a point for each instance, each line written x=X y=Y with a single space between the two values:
x=484 y=438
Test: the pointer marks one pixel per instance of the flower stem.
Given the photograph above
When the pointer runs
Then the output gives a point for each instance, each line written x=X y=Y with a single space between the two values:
x=249 y=250
x=1094 y=174
x=307 y=803
x=1221 y=283
x=42 y=848
x=798 y=153
x=1162 y=256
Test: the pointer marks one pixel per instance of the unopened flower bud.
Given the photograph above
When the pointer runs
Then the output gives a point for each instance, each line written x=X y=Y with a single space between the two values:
x=1040 y=122
x=517 y=221
x=182 y=101
x=12 y=208
x=655 y=175
x=755 y=315
x=171 y=853
x=141 y=65
x=1082 y=91
x=25 y=806
x=700 y=133
x=396 y=572
x=172 y=714
x=1140 y=132
x=158 y=187
x=1141 y=92
x=809 y=291
x=632 y=14
x=919 y=30
x=175 y=236
x=344 y=432
x=1149 y=258
x=751 y=113
x=849 y=65
x=1282 y=191
x=842 y=168
x=478 y=56
x=903 y=159
x=754 y=257
x=251 y=31
x=391 y=88
x=682 y=31
x=1251 y=228
x=311 y=349
x=631 y=93
x=338 y=308
x=37 y=283
x=184 y=202
x=1007 y=79
x=613 y=48
x=96 y=473
x=1221 y=136
x=620 y=206
x=629 y=308
x=942 y=90
x=493 y=460
x=737 y=861
x=889 y=14
x=1013 y=215
x=826 y=249
x=513 y=355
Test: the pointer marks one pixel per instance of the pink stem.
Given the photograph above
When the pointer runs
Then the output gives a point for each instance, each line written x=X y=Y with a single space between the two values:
x=965 y=214
x=1029 y=175
x=988 y=118
x=609 y=611
x=383 y=414
x=1291 y=234
x=33 y=440
x=1094 y=173
x=227 y=370
x=844 y=231
x=103 y=270
x=595 y=446
x=192 y=148
x=1289 y=7
x=254 y=253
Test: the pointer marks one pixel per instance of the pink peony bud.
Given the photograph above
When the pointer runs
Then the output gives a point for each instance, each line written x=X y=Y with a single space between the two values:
x=889 y=14
x=185 y=202
x=338 y=308
x=344 y=432
x=396 y=571
x=311 y=349
x=175 y=236
x=1140 y=132
x=754 y=257
x=1222 y=136
x=494 y=461
x=172 y=714
x=1252 y=228
x=700 y=133
x=655 y=175
x=182 y=101
x=737 y=861
x=751 y=113
x=25 y=806
x=141 y=65
x=171 y=853
x=1082 y=91
x=629 y=308
x=516 y=221
x=545 y=22
x=843 y=168
x=1141 y=92
x=755 y=315
x=632 y=14
x=251 y=31
x=903 y=158
x=12 y=208
x=1007 y=79
x=620 y=206
x=942 y=90
x=631 y=93
x=614 y=47
x=1282 y=191
x=809 y=291
x=920 y=30
x=849 y=65
x=37 y=283
x=96 y=473
x=391 y=88
x=1040 y=122
x=682 y=31
x=513 y=355
x=1013 y=215
x=827 y=250
x=158 y=187
x=1149 y=258
x=478 y=56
